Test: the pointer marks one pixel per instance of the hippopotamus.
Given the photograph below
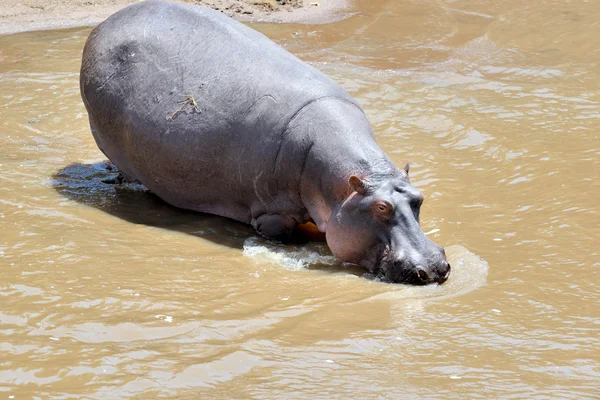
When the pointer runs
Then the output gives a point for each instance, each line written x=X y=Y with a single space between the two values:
x=212 y=116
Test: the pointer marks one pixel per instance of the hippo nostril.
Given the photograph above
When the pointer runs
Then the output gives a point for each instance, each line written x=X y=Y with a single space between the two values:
x=422 y=275
x=444 y=277
x=447 y=274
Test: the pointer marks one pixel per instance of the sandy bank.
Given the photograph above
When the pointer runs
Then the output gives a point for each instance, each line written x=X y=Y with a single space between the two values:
x=24 y=15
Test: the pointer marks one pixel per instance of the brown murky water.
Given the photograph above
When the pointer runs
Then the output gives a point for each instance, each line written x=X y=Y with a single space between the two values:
x=108 y=294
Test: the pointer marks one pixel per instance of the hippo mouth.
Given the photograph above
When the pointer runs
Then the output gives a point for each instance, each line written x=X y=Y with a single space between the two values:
x=378 y=276
x=416 y=276
x=377 y=268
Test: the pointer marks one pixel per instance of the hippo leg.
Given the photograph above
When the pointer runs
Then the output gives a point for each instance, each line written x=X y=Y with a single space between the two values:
x=275 y=227
x=120 y=179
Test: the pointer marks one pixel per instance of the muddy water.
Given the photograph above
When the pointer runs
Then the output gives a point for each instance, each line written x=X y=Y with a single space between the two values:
x=112 y=294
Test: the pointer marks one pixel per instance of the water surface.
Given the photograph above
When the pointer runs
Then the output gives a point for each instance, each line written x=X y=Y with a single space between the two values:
x=108 y=294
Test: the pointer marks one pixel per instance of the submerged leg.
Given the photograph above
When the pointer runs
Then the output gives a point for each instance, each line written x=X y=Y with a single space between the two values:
x=118 y=179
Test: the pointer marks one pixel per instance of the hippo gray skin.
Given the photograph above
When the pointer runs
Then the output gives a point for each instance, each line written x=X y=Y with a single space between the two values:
x=213 y=116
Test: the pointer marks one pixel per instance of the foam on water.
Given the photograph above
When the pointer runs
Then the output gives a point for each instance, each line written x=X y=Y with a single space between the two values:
x=293 y=258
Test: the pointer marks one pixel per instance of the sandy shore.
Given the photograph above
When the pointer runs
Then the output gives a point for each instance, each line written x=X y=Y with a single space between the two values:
x=24 y=15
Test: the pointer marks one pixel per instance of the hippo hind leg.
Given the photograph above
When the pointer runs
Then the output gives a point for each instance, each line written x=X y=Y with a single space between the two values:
x=118 y=179
x=275 y=227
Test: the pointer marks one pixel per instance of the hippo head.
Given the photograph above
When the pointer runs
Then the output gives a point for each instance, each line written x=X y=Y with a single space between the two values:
x=377 y=227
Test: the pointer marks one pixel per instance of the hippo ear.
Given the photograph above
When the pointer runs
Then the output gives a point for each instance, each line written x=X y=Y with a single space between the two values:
x=358 y=185
x=407 y=167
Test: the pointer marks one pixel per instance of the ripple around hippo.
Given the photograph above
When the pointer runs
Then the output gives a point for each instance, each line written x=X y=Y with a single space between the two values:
x=469 y=271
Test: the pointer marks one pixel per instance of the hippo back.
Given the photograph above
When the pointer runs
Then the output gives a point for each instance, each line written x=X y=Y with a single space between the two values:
x=191 y=102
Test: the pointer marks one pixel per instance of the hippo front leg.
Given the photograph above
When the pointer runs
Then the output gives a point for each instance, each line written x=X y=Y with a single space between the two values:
x=275 y=227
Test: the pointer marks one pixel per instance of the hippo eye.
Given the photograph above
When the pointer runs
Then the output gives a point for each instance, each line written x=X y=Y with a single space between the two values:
x=382 y=208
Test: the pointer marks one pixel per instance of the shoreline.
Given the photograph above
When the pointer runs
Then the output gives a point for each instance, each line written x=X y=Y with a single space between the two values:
x=31 y=15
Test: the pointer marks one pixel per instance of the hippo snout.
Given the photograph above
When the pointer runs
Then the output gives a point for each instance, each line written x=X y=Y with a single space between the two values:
x=439 y=274
x=403 y=271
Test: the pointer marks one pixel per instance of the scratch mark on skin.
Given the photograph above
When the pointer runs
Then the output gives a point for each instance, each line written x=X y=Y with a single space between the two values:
x=175 y=64
x=151 y=110
x=106 y=81
x=240 y=172
x=303 y=168
x=262 y=201
x=257 y=100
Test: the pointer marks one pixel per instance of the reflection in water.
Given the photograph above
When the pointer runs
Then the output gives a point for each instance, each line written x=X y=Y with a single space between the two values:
x=84 y=183
x=116 y=294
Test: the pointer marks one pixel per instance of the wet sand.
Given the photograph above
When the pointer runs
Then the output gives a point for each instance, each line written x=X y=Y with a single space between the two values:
x=26 y=15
